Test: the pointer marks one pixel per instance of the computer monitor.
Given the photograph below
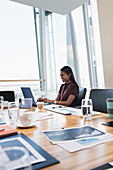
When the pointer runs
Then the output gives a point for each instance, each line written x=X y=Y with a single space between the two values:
x=28 y=94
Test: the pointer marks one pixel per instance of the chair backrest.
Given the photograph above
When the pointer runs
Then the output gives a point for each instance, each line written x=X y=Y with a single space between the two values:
x=82 y=93
x=99 y=97
x=8 y=95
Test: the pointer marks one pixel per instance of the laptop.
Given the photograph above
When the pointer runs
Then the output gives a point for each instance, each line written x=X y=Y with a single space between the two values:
x=27 y=93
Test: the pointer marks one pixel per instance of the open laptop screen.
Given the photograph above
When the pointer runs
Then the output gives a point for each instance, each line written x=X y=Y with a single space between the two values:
x=28 y=94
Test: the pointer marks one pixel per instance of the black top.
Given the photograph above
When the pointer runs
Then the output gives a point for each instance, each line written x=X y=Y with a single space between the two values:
x=69 y=89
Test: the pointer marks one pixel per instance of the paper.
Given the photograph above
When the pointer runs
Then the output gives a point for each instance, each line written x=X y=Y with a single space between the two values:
x=75 y=145
x=44 y=115
x=68 y=110
x=74 y=139
x=38 y=115
x=60 y=109
x=67 y=134
x=52 y=106
x=78 y=113
x=34 y=156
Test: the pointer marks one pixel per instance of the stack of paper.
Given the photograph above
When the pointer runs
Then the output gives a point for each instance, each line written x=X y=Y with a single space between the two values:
x=68 y=110
x=74 y=139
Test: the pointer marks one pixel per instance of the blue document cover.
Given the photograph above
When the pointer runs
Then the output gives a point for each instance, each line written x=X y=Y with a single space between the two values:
x=49 y=159
x=102 y=167
x=108 y=124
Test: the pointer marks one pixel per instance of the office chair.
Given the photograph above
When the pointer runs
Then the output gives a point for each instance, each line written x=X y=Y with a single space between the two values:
x=8 y=95
x=99 y=97
x=82 y=93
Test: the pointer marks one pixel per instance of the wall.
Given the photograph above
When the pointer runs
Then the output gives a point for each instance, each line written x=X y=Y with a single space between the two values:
x=105 y=11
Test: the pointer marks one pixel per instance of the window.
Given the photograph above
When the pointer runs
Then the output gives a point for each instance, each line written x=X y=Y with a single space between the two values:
x=18 y=58
x=78 y=20
x=18 y=55
x=56 y=50
x=60 y=46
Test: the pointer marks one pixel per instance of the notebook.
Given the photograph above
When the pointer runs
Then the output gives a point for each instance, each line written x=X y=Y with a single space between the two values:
x=104 y=166
x=7 y=131
x=108 y=124
x=27 y=93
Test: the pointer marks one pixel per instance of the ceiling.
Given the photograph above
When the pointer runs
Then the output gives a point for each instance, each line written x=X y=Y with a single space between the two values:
x=57 y=6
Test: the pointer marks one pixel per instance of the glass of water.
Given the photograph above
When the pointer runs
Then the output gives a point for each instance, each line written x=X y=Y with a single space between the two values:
x=13 y=111
x=1 y=103
x=87 y=108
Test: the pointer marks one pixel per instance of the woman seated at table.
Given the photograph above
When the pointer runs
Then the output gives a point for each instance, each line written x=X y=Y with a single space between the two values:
x=68 y=91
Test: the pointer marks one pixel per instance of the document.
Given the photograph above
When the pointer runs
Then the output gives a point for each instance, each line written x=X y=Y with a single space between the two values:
x=43 y=115
x=78 y=113
x=34 y=156
x=38 y=115
x=68 y=110
x=60 y=109
x=74 y=139
x=72 y=146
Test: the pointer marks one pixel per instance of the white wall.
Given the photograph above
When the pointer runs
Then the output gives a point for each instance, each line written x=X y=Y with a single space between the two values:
x=105 y=10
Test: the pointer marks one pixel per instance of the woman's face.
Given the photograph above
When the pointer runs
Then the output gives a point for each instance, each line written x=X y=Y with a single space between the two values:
x=65 y=77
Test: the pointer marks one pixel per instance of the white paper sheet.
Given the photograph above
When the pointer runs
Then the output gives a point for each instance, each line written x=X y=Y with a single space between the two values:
x=75 y=145
x=38 y=115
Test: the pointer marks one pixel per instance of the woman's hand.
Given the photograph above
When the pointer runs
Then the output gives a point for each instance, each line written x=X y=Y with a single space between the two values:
x=39 y=99
x=46 y=100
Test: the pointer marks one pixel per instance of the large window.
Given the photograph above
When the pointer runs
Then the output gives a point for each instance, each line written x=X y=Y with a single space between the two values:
x=74 y=40
x=18 y=55
x=18 y=58
x=36 y=44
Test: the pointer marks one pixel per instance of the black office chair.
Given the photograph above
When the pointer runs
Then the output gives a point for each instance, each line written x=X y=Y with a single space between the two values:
x=8 y=95
x=99 y=97
x=82 y=93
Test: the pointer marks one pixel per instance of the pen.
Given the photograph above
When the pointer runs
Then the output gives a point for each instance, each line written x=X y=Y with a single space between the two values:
x=56 y=107
x=2 y=129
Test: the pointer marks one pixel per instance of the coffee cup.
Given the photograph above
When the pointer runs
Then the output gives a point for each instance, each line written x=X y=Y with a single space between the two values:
x=26 y=119
x=27 y=103
x=110 y=107
x=40 y=105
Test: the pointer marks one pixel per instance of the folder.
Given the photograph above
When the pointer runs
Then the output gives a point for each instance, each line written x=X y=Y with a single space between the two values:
x=108 y=124
x=50 y=160
x=104 y=166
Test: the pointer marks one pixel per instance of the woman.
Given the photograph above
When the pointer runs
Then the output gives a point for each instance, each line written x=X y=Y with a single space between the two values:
x=68 y=91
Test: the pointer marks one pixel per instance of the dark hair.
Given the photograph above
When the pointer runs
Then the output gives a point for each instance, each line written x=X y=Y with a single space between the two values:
x=68 y=70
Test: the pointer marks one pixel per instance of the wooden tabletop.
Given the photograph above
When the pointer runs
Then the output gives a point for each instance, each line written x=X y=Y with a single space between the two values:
x=83 y=159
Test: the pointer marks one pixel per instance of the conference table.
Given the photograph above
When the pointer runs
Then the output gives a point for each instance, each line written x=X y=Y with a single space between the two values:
x=83 y=159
